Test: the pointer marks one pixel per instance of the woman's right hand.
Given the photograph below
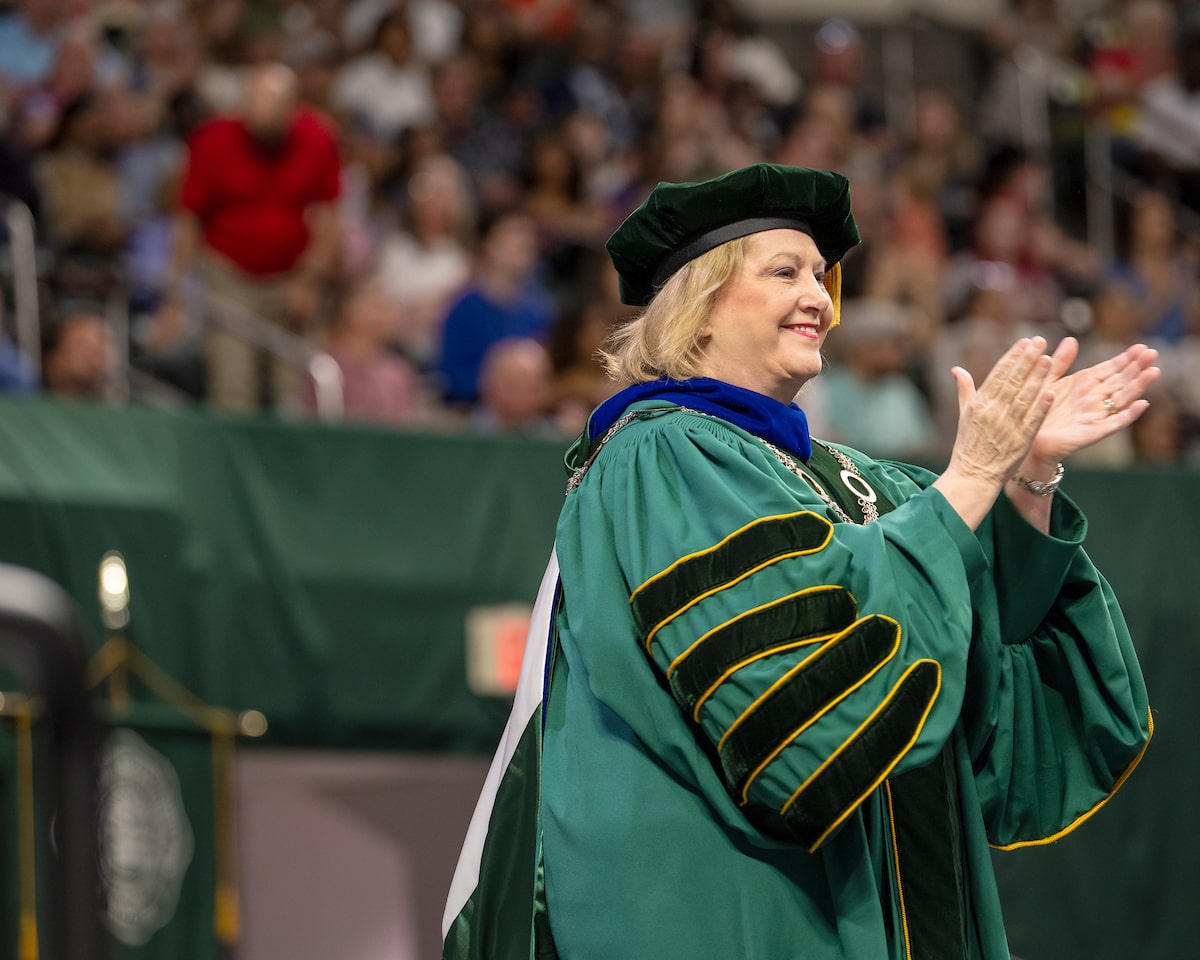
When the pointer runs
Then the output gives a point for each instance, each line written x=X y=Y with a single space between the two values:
x=997 y=424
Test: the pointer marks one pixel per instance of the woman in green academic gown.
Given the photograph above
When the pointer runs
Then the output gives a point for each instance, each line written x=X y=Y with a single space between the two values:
x=792 y=694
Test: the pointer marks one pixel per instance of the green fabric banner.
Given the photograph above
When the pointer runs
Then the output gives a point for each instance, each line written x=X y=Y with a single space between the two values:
x=322 y=576
x=326 y=575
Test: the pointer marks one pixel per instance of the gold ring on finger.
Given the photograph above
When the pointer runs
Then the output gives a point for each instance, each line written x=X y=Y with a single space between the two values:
x=1110 y=406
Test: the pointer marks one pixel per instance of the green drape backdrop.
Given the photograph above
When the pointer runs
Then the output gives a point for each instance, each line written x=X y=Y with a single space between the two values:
x=322 y=575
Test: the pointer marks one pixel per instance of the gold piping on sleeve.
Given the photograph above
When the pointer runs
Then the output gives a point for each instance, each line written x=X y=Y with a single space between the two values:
x=819 y=714
x=825 y=588
x=724 y=586
x=779 y=648
x=887 y=786
x=1078 y=821
x=724 y=540
x=891 y=766
x=807 y=661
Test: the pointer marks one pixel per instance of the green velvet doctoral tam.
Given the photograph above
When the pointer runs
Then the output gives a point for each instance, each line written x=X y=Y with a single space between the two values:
x=769 y=734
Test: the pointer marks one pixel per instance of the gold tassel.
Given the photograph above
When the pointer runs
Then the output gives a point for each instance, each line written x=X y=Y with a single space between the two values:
x=227 y=911
x=26 y=827
x=833 y=284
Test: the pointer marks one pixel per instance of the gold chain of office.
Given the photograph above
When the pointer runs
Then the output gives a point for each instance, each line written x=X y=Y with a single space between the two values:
x=853 y=480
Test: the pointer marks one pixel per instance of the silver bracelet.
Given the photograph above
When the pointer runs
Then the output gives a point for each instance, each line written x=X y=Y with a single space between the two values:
x=1041 y=488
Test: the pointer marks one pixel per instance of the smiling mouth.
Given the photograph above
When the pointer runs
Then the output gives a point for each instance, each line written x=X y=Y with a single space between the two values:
x=809 y=330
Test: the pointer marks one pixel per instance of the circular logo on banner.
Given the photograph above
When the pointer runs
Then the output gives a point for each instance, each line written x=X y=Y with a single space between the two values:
x=145 y=839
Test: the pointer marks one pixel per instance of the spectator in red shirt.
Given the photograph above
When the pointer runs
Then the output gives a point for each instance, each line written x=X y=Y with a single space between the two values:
x=258 y=216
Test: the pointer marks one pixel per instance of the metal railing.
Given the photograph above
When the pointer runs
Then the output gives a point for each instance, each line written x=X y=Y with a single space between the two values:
x=1104 y=181
x=22 y=250
x=284 y=347
x=326 y=375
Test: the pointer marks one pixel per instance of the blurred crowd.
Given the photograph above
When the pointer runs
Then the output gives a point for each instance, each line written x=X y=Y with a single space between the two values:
x=421 y=190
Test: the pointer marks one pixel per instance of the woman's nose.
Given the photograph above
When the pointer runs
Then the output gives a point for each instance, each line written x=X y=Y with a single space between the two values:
x=813 y=296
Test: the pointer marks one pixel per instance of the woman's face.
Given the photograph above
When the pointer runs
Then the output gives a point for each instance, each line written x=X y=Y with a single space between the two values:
x=771 y=317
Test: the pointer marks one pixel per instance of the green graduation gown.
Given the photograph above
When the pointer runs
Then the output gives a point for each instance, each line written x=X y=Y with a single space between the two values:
x=770 y=734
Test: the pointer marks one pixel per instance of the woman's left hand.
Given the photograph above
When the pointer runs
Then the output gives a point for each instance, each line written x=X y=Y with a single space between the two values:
x=1092 y=403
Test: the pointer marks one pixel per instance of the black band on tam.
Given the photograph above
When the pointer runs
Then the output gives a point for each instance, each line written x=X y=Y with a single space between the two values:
x=719 y=235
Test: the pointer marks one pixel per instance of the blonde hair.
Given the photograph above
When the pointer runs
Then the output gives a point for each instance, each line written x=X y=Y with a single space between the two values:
x=667 y=338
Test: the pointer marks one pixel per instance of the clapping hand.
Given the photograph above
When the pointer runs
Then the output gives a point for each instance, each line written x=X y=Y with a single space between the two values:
x=1092 y=403
x=997 y=424
x=999 y=420
x=1029 y=413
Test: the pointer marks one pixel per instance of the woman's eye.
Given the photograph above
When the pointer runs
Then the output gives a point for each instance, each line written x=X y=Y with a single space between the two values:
x=820 y=276
x=786 y=272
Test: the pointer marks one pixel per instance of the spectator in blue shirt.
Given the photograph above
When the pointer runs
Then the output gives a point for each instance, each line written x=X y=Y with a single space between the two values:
x=503 y=300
